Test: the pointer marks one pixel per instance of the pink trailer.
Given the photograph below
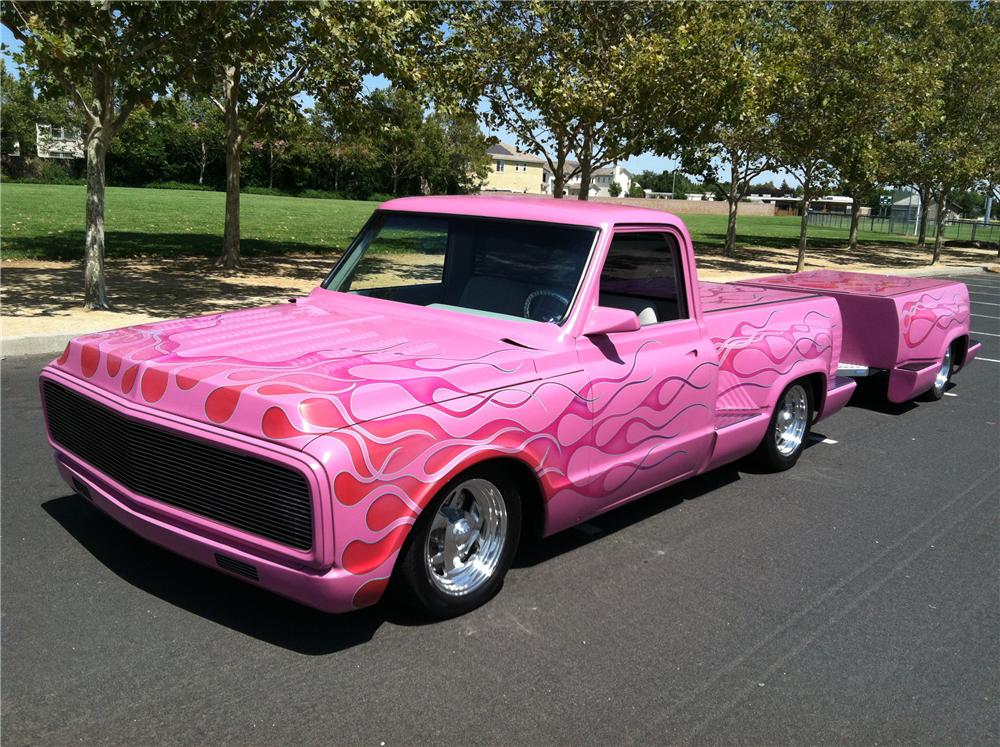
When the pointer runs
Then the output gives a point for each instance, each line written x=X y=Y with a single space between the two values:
x=906 y=326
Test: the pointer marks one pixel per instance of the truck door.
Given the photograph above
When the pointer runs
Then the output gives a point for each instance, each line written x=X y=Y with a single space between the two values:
x=652 y=393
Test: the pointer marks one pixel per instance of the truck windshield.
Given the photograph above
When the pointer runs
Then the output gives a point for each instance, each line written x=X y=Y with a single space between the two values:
x=496 y=268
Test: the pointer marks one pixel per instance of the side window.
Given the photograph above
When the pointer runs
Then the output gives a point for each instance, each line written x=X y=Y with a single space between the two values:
x=643 y=273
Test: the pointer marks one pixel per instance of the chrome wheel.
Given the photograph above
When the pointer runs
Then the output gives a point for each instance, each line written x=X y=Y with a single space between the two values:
x=792 y=420
x=944 y=373
x=467 y=537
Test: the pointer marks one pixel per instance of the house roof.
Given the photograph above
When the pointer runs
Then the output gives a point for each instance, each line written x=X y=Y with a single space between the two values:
x=541 y=209
x=505 y=152
x=603 y=171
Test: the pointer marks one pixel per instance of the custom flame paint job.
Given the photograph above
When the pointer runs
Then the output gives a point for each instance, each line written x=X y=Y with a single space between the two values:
x=381 y=403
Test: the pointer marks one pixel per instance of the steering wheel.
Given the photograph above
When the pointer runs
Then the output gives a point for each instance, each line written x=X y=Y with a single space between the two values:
x=545 y=305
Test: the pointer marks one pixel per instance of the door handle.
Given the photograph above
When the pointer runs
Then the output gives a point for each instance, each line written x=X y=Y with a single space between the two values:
x=693 y=353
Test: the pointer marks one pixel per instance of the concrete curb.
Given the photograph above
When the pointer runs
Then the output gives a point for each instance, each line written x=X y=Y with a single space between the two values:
x=35 y=344
x=54 y=343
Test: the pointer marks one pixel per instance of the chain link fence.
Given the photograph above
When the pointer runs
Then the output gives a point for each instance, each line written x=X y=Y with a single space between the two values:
x=954 y=230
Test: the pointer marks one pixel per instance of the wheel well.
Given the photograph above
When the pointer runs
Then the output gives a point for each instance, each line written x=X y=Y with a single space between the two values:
x=959 y=347
x=532 y=500
x=817 y=382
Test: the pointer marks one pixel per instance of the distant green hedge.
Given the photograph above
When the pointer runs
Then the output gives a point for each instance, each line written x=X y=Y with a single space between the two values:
x=179 y=185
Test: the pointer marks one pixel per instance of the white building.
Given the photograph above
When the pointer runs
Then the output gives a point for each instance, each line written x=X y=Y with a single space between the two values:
x=58 y=142
x=600 y=180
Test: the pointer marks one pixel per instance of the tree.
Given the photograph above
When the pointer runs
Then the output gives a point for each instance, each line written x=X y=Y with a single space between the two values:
x=939 y=149
x=809 y=43
x=590 y=79
x=733 y=148
x=460 y=164
x=615 y=190
x=874 y=89
x=253 y=63
x=260 y=55
x=111 y=58
x=396 y=137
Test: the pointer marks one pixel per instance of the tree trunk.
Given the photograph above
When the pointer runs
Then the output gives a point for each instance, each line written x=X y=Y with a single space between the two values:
x=559 y=184
x=230 y=257
x=559 y=177
x=95 y=294
x=202 y=163
x=922 y=230
x=733 y=198
x=939 y=228
x=729 y=250
x=800 y=265
x=270 y=165
x=852 y=241
x=586 y=156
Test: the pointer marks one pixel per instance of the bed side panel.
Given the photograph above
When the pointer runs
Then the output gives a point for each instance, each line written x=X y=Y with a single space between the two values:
x=762 y=348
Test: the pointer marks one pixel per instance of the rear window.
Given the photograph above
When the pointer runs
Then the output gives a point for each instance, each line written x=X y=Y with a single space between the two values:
x=550 y=256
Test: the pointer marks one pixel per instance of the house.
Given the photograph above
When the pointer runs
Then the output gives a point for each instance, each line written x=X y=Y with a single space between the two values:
x=523 y=173
x=58 y=142
x=515 y=172
x=906 y=207
x=600 y=180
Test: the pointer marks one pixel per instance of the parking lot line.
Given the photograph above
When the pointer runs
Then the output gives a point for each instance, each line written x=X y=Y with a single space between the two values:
x=985 y=316
x=988 y=334
x=988 y=360
x=986 y=303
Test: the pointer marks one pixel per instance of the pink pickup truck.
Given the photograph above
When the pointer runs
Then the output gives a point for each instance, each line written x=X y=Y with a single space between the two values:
x=473 y=370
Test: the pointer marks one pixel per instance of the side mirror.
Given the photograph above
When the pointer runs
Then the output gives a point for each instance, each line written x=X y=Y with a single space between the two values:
x=603 y=320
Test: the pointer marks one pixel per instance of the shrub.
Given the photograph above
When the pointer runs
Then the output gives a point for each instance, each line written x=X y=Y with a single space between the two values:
x=320 y=194
x=270 y=191
x=380 y=197
x=179 y=185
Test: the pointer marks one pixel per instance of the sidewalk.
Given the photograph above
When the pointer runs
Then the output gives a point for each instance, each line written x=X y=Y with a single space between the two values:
x=41 y=300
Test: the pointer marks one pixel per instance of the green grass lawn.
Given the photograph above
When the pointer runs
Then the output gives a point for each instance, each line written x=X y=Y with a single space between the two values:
x=42 y=221
x=47 y=222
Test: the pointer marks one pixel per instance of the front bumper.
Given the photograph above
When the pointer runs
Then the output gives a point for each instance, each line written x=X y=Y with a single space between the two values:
x=311 y=577
x=333 y=590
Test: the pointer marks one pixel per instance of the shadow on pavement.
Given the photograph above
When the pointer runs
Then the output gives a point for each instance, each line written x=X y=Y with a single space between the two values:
x=212 y=595
x=870 y=394
x=625 y=516
x=272 y=619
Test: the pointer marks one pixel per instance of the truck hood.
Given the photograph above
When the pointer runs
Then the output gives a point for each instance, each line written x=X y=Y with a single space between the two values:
x=291 y=372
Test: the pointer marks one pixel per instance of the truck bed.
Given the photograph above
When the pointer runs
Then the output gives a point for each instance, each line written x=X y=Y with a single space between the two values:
x=903 y=325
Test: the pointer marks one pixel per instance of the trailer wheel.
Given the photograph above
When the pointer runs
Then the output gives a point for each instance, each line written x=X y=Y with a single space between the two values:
x=936 y=392
x=786 y=435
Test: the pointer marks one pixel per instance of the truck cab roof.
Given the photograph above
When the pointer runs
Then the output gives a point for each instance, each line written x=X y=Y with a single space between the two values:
x=538 y=209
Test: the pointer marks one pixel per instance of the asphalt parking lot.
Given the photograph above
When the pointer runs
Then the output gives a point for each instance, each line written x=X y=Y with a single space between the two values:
x=854 y=599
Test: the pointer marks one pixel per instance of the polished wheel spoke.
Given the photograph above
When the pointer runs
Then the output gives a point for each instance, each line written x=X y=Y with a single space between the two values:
x=467 y=537
x=792 y=421
x=942 y=377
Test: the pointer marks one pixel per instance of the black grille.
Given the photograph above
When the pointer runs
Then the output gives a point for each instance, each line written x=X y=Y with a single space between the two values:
x=237 y=489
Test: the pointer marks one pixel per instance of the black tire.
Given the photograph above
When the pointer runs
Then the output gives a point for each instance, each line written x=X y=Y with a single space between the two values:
x=937 y=389
x=413 y=583
x=768 y=455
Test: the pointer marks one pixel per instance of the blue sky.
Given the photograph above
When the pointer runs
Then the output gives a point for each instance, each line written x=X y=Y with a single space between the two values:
x=635 y=164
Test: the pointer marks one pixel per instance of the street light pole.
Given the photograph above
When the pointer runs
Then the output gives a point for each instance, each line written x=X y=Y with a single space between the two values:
x=673 y=189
